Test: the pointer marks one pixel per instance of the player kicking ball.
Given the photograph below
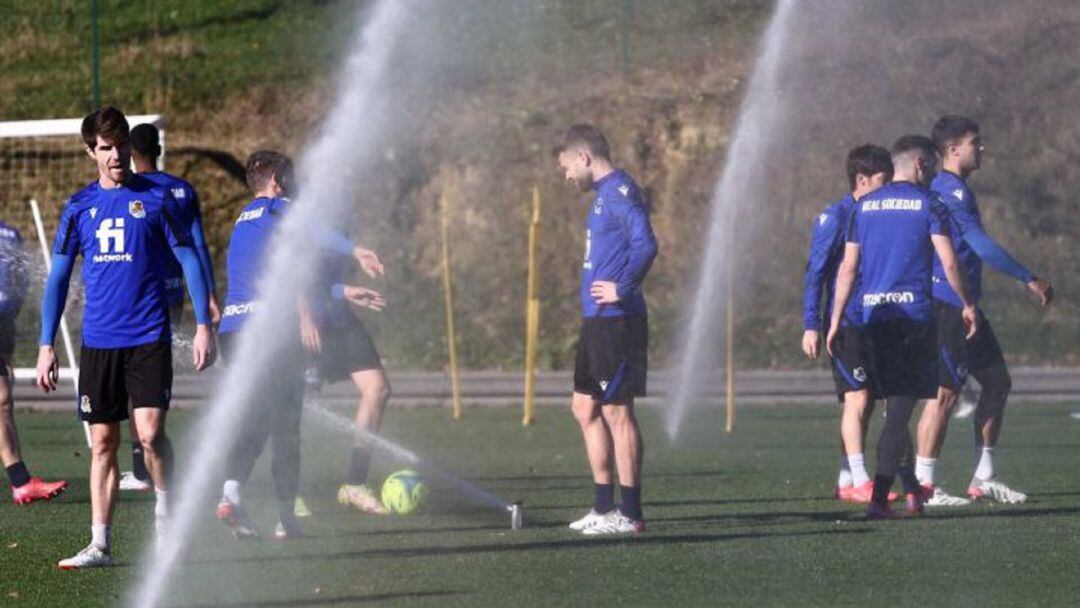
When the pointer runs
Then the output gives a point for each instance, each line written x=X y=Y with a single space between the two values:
x=868 y=168
x=127 y=229
x=957 y=140
x=894 y=233
x=14 y=280
x=278 y=402
x=612 y=349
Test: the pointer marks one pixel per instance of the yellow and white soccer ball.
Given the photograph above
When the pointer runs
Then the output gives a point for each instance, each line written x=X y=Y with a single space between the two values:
x=404 y=492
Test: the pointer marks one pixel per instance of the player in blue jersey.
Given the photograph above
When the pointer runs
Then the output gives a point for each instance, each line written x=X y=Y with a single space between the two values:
x=145 y=150
x=611 y=364
x=279 y=399
x=868 y=168
x=957 y=140
x=128 y=231
x=891 y=242
x=14 y=280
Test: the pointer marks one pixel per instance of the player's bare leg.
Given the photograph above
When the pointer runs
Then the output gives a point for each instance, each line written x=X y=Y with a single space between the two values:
x=930 y=437
x=629 y=452
x=24 y=488
x=374 y=390
x=996 y=385
x=104 y=481
x=158 y=453
x=598 y=451
x=137 y=479
x=854 y=421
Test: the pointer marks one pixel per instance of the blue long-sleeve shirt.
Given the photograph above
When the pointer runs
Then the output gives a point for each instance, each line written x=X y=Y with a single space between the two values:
x=973 y=245
x=619 y=246
x=826 y=252
x=191 y=215
x=14 y=278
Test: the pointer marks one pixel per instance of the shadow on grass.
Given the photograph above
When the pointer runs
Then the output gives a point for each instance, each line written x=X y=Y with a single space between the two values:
x=581 y=476
x=329 y=601
x=690 y=503
x=552 y=545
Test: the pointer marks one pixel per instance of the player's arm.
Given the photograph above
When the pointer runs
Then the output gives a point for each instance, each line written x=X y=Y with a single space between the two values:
x=198 y=239
x=822 y=240
x=845 y=281
x=643 y=250
x=52 y=308
x=360 y=297
x=994 y=255
x=944 y=249
x=203 y=351
x=336 y=242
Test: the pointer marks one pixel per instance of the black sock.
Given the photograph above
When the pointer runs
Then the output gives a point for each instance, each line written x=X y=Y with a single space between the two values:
x=138 y=462
x=358 y=468
x=882 y=484
x=18 y=474
x=630 y=502
x=605 y=497
x=908 y=479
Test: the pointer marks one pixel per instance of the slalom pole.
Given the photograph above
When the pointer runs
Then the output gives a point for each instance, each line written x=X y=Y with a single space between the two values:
x=448 y=289
x=532 y=313
x=64 y=331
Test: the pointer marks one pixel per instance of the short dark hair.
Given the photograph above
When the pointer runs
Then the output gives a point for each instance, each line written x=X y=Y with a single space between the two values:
x=588 y=137
x=914 y=143
x=109 y=123
x=264 y=164
x=868 y=160
x=145 y=140
x=949 y=129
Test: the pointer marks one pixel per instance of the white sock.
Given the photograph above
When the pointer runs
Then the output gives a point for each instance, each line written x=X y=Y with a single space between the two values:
x=843 y=480
x=924 y=470
x=99 y=536
x=231 y=491
x=161 y=507
x=984 y=456
x=858 y=469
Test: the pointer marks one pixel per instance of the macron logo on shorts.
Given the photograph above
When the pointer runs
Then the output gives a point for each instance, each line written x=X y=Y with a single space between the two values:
x=869 y=300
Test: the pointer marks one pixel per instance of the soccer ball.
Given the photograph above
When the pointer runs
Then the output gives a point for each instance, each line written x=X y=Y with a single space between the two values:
x=403 y=492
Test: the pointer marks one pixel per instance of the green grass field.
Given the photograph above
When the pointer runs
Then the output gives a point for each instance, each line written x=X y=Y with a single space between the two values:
x=745 y=519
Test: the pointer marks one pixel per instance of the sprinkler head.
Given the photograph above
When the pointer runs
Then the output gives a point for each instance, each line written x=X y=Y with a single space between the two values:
x=515 y=515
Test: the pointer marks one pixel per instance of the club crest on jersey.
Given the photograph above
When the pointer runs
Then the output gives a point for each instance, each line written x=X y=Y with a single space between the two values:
x=136 y=209
x=84 y=404
x=598 y=207
x=860 y=374
x=959 y=194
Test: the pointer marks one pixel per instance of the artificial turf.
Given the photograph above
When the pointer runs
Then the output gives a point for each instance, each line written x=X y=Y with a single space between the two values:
x=742 y=519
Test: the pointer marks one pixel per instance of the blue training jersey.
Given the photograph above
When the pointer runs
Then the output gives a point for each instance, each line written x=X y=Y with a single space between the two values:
x=125 y=236
x=13 y=272
x=826 y=252
x=972 y=244
x=619 y=246
x=247 y=257
x=188 y=202
x=892 y=226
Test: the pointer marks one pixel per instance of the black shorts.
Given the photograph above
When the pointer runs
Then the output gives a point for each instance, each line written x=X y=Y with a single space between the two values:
x=612 y=358
x=959 y=356
x=850 y=362
x=903 y=356
x=346 y=349
x=7 y=338
x=110 y=378
x=281 y=381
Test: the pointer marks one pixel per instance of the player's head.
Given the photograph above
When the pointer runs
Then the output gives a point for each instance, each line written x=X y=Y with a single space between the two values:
x=868 y=168
x=583 y=151
x=270 y=173
x=107 y=140
x=914 y=159
x=957 y=140
x=145 y=145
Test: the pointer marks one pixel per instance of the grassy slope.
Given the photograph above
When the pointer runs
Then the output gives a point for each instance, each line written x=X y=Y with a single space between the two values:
x=734 y=520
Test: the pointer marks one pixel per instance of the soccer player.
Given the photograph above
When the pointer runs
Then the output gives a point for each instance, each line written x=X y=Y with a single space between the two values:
x=127 y=229
x=958 y=141
x=145 y=150
x=894 y=233
x=612 y=349
x=14 y=280
x=280 y=395
x=868 y=168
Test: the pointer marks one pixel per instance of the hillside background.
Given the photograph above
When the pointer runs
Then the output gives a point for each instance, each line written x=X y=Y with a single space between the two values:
x=664 y=79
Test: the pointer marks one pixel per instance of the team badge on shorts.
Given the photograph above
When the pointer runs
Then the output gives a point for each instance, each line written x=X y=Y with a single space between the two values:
x=84 y=404
x=860 y=374
x=136 y=209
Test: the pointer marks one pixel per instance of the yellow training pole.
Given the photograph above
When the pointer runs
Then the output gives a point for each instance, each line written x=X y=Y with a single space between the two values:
x=451 y=341
x=532 y=313
x=729 y=333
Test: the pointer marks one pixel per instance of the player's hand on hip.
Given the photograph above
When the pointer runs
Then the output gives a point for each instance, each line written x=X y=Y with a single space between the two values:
x=810 y=343
x=604 y=292
x=1043 y=290
x=830 y=339
x=48 y=370
x=971 y=321
x=369 y=262
x=364 y=297
x=203 y=352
